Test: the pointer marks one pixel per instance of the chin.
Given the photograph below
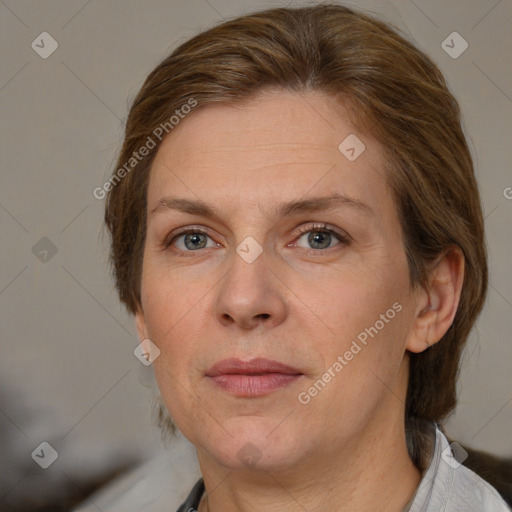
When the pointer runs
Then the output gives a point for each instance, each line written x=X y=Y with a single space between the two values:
x=255 y=445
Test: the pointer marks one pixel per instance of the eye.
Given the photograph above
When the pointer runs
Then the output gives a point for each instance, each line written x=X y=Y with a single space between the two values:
x=315 y=238
x=192 y=240
x=320 y=237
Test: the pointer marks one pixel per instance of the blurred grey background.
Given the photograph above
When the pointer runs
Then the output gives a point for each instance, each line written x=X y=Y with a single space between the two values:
x=68 y=375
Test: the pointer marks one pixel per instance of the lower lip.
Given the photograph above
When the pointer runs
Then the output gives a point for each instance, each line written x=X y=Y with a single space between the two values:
x=253 y=385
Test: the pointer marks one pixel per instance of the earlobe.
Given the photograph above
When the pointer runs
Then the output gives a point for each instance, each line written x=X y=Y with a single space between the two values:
x=439 y=303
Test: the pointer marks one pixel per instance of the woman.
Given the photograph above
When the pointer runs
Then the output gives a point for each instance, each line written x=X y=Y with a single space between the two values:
x=297 y=229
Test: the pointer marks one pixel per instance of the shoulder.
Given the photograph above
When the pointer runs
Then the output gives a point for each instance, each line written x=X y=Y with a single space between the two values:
x=161 y=483
x=471 y=493
x=449 y=486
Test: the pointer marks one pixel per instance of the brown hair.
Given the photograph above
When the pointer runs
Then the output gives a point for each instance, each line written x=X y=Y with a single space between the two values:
x=396 y=94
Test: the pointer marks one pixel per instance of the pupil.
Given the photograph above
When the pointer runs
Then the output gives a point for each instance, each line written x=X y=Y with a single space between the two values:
x=318 y=237
x=195 y=239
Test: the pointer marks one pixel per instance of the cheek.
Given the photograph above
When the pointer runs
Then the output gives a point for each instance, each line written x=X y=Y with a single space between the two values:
x=350 y=302
x=172 y=325
x=365 y=311
x=170 y=317
x=361 y=362
x=168 y=299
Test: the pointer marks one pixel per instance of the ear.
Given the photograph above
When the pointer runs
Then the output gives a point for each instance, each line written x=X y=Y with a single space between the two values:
x=437 y=305
x=140 y=324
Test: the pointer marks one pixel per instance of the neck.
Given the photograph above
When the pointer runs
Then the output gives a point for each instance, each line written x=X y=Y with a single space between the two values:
x=371 y=472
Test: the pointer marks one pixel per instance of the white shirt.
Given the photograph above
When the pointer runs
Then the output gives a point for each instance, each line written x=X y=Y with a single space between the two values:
x=448 y=486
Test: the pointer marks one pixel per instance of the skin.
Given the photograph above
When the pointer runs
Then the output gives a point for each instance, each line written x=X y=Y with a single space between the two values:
x=296 y=303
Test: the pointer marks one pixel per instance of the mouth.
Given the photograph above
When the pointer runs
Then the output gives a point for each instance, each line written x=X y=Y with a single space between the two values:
x=256 y=377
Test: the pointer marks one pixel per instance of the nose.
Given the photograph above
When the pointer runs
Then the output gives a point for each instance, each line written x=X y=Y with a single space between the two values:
x=251 y=295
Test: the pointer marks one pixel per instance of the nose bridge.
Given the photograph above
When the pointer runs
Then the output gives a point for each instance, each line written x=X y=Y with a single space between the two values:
x=250 y=291
x=247 y=275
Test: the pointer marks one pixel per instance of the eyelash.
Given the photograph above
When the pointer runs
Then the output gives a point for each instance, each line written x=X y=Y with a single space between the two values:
x=322 y=228
x=189 y=231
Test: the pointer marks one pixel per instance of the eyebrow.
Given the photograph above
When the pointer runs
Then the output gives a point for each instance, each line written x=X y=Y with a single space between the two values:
x=315 y=204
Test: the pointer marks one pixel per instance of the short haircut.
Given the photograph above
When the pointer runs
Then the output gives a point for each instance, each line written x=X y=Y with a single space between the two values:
x=394 y=93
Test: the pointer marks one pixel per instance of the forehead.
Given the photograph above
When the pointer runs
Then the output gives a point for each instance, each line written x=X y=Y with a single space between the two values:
x=278 y=143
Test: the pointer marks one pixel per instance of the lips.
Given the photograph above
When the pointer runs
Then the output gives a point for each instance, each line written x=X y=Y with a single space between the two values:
x=253 y=367
x=256 y=377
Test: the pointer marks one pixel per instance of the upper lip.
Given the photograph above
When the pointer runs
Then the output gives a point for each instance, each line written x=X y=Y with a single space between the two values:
x=256 y=366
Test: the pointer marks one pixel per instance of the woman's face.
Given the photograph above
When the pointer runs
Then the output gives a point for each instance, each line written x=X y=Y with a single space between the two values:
x=283 y=321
